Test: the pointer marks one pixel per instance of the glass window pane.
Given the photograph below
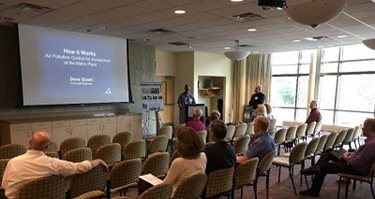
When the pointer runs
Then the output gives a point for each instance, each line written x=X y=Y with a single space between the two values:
x=304 y=69
x=283 y=91
x=303 y=84
x=357 y=92
x=306 y=56
x=358 y=66
x=284 y=69
x=280 y=58
x=301 y=115
x=329 y=68
x=355 y=52
x=283 y=114
x=327 y=90
x=331 y=54
x=327 y=116
x=351 y=119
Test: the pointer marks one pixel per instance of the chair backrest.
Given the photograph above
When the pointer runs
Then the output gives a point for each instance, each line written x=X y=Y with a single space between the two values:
x=272 y=125
x=348 y=136
x=96 y=141
x=46 y=187
x=298 y=153
x=157 y=164
x=322 y=143
x=125 y=173
x=191 y=188
x=240 y=130
x=272 y=133
x=52 y=147
x=9 y=151
x=160 y=191
x=230 y=132
x=265 y=163
x=301 y=130
x=219 y=181
x=158 y=144
x=310 y=128
x=245 y=173
x=93 y=181
x=175 y=155
x=109 y=153
x=134 y=149
x=318 y=127
x=166 y=130
x=330 y=141
x=311 y=147
x=340 y=138
x=3 y=165
x=78 y=155
x=122 y=138
x=250 y=129
x=203 y=135
x=240 y=146
x=280 y=136
x=178 y=128
x=71 y=143
x=357 y=132
x=291 y=133
x=52 y=154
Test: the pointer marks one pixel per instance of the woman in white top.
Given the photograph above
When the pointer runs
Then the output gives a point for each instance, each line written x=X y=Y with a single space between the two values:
x=192 y=161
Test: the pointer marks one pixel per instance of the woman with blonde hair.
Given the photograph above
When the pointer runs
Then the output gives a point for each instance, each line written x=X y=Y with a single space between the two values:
x=192 y=160
x=261 y=111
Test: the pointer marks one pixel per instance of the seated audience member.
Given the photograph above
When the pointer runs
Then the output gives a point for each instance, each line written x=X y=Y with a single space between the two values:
x=261 y=111
x=196 y=123
x=36 y=164
x=358 y=162
x=220 y=155
x=192 y=161
x=261 y=144
x=314 y=115
x=269 y=111
x=214 y=115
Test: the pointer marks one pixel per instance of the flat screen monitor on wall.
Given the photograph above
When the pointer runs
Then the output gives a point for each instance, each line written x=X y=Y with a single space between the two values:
x=60 y=67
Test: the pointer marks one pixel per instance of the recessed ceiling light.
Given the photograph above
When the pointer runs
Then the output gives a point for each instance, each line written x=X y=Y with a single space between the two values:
x=342 y=36
x=226 y=48
x=297 y=40
x=236 y=0
x=252 y=29
x=179 y=12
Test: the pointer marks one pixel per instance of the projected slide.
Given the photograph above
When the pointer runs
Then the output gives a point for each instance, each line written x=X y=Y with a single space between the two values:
x=60 y=67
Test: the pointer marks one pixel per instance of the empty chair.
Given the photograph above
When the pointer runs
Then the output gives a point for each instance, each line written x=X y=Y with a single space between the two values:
x=203 y=135
x=240 y=131
x=296 y=156
x=340 y=138
x=245 y=175
x=310 y=154
x=310 y=130
x=301 y=131
x=230 y=133
x=135 y=149
x=157 y=164
x=160 y=191
x=219 y=182
x=330 y=141
x=9 y=151
x=357 y=134
x=290 y=137
x=322 y=142
x=318 y=128
x=109 y=153
x=71 y=143
x=52 y=150
x=96 y=141
x=272 y=125
x=46 y=187
x=78 y=155
x=88 y=185
x=264 y=169
x=272 y=133
x=122 y=138
x=191 y=188
x=280 y=138
x=240 y=146
x=158 y=144
x=124 y=175
x=250 y=129
x=348 y=138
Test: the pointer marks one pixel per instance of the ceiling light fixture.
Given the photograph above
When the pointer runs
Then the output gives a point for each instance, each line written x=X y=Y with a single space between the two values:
x=236 y=1
x=342 y=36
x=226 y=48
x=252 y=29
x=179 y=12
x=315 y=12
x=370 y=43
x=296 y=40
x=236 y=55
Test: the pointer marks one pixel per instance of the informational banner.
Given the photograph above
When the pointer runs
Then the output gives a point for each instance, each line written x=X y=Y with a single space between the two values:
x=152 y=98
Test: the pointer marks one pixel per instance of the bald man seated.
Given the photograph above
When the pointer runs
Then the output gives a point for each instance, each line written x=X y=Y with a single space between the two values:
x=35 y=164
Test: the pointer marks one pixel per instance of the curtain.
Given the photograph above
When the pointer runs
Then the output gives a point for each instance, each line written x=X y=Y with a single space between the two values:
x=256 y=69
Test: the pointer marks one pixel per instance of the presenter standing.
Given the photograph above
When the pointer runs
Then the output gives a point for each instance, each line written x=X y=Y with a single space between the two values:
x=256 y=99
x=185 y=98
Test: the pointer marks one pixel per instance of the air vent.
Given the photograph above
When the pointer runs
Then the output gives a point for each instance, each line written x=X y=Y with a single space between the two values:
x=249 y=16
x=177 y=43
x=32 y=7
x=162 y=31
x=245 y=46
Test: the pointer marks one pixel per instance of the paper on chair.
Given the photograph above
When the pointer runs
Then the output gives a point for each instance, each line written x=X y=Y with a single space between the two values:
x=153 y=180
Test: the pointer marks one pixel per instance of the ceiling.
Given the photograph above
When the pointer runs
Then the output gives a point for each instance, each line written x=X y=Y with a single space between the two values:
x=207 y=26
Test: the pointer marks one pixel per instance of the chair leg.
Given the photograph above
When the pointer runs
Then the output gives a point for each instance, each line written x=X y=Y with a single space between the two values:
x=372 y=191
x=346 y=188
x=267 y=185
x=302 y=167
x=338 y=188
x=354 y=183
x=291 y=178
x=278 y=180
x=255 y=188
x=307 y=183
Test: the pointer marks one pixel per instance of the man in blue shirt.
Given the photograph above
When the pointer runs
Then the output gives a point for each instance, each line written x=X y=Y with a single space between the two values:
x=261 y=144
x=185 y=98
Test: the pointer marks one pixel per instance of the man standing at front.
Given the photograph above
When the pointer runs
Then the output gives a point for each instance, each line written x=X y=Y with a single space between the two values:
x=185 y=98
x=257 y=98
x=314 y=115
x=36 y=164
